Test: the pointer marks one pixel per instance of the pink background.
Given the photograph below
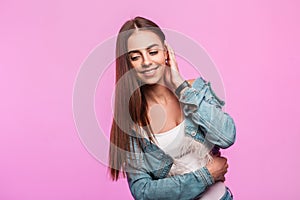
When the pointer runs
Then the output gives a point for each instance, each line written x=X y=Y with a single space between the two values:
x=255 y=45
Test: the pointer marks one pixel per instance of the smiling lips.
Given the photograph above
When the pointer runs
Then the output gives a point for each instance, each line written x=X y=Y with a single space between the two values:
x=149 y=72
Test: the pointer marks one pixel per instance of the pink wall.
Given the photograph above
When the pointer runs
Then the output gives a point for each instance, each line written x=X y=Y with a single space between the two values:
x=255 y=46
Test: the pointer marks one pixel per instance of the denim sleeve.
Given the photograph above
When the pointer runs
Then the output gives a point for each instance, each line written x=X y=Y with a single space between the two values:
x=186 y=186
x=202 y=105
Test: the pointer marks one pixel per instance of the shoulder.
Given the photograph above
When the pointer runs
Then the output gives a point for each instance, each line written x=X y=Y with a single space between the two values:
x=191 y=81
x=198 y=80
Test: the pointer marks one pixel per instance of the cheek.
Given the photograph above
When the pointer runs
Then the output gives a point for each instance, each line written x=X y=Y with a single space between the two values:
x=160 y=59
x=134 y=64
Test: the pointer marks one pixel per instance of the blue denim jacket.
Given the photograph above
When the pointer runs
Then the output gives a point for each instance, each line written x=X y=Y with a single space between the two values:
x=204 y=120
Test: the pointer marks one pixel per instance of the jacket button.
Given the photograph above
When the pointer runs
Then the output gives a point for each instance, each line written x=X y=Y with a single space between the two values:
x=193 y=133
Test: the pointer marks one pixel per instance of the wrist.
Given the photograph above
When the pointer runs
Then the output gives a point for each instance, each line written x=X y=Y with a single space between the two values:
x=210 y=171
x=208 y=176
x=178 y=83
x=181 y=87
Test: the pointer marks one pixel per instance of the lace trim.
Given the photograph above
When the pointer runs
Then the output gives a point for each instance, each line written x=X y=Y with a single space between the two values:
x=190 y=145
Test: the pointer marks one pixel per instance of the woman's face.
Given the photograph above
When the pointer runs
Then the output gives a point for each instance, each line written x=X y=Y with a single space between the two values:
x=147 y=56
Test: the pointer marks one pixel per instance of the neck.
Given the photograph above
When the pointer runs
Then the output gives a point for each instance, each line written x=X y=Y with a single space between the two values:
x=157 y=93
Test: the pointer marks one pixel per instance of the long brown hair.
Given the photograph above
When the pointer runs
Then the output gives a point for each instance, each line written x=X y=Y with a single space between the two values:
x=135 y=114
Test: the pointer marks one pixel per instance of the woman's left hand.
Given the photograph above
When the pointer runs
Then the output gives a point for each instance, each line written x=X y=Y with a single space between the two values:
x=172 y=75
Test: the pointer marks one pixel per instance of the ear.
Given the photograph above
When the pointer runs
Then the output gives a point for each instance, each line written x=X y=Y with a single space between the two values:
x=166 y=54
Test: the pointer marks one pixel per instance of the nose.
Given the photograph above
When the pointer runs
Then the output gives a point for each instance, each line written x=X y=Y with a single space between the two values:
x=146 y=61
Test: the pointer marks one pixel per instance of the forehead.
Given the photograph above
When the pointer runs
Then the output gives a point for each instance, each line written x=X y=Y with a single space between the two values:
x=142 y=39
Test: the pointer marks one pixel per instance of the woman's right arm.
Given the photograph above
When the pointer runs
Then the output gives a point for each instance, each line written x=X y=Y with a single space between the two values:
x=147 y=170
x=186 y=186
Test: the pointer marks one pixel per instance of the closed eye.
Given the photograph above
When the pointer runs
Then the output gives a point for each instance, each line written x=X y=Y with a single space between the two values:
x=134 y=58
x=152 y=53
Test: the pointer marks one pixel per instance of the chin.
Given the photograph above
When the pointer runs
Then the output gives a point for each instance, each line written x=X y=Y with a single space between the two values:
x=153 y=80
x=150 y=81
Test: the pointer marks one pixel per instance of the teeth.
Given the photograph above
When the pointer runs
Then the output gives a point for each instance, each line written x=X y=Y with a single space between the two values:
x=148 y=72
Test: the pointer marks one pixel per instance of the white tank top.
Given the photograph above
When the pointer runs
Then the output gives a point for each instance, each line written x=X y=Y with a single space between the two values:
x=183 y=149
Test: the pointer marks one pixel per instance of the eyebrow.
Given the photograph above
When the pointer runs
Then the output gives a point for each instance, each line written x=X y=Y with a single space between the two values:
x=149 y=47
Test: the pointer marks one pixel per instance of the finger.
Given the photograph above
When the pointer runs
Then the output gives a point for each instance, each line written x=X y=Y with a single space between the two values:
x=218 y=154
x=224 y=160
x=172 y=59
x=221 y=178
x=172 y=54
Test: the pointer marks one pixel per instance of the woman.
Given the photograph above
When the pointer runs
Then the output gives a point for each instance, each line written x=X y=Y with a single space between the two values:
x=166 y=131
